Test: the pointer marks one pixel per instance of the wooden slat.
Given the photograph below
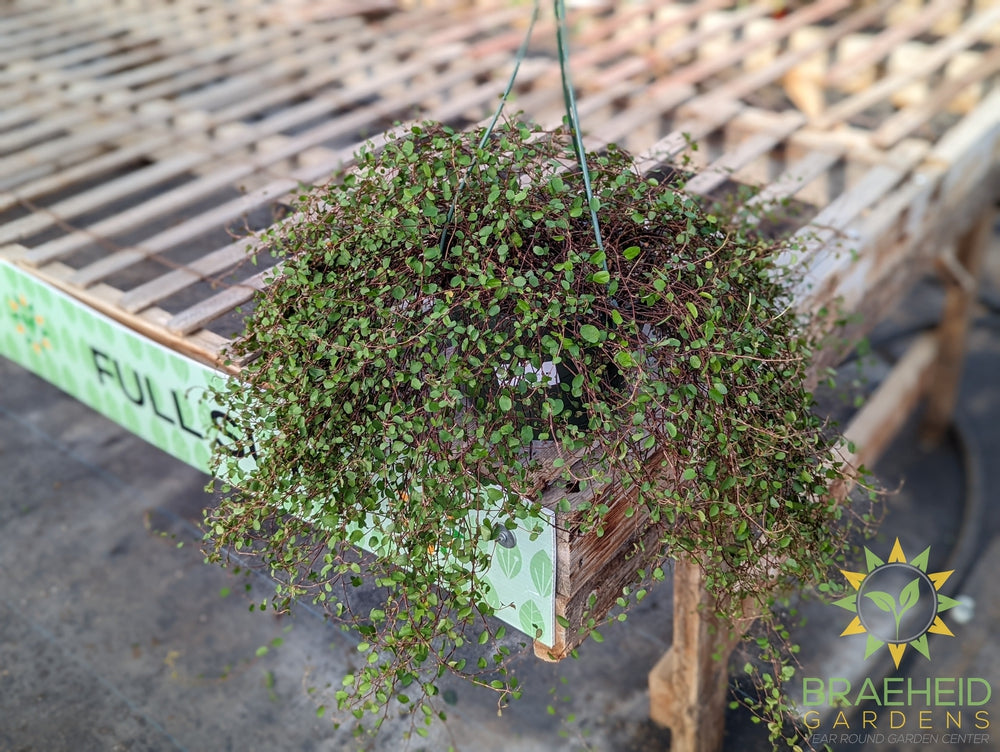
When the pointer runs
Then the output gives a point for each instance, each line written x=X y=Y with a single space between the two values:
x=905 y=122
x=893 y=236
x=885 y=42
x=746 y=84
x=197 y=316
x=827 y=228
x=951 y=334
x=762 y=141
x=884 y=413
x=935 y=58
x=691 y=130
x=969 y=150
x=792 y=180
x=649 y=106
x=230 y=175
x=162 y=287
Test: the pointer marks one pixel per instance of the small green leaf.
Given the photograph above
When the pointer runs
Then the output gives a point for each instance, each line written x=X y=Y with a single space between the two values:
x=590 y=333
x=624 y=359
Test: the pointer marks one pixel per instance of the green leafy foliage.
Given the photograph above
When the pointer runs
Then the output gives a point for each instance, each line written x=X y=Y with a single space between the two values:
x=443 y=312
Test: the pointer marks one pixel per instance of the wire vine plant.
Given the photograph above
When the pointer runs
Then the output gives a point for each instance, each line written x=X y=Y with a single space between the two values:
x=454 y=302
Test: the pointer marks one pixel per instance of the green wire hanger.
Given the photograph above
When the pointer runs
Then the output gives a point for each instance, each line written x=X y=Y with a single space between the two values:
x=572 y=117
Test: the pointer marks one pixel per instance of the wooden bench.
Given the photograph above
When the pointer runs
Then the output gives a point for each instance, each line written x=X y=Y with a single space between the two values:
x=139 y=143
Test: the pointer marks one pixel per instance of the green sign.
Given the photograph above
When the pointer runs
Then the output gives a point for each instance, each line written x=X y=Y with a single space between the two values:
x=163 y=396
x=141 y=385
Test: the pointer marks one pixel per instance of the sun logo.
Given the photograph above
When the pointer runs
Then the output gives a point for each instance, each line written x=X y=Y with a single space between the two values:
x=897 y=603
x=28 y=323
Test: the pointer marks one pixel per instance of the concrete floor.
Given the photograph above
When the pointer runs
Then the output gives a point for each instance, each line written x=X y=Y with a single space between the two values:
x=114 y=635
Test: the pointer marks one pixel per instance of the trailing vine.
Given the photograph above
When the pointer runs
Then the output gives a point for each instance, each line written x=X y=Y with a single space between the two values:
x=442 y=315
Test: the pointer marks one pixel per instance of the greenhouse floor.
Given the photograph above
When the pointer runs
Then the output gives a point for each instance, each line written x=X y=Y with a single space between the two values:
x=115 y=635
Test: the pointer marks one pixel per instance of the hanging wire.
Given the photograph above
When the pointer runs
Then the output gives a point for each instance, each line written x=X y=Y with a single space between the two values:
x=562 y=40
x=572 y=116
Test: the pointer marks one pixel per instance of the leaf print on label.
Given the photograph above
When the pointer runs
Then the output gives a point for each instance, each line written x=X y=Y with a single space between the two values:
x=490 y=594
x=157 y=357
x=532 y=621
x=67 y=313
x=200 y=456
x=509 y=560
x=540 y=568
x=180 y=367
x=135 y=347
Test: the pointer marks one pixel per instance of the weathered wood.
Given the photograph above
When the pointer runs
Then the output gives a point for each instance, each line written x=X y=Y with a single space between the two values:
x=953 y=330
x=596 y=596
x=883 y=44
x=870 y=431
x=905 y=122
x=726 y=166
x=931 y=61
x=688 y=687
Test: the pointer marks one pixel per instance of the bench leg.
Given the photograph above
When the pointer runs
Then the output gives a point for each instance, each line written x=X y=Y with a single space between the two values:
x=688 y=686
x=961 y=281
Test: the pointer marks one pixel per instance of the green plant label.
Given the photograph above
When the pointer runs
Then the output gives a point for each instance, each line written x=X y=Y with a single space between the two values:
x=162 y=396
x=144 y=387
